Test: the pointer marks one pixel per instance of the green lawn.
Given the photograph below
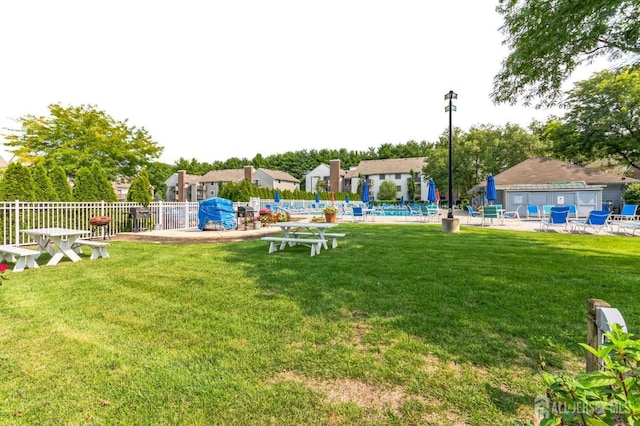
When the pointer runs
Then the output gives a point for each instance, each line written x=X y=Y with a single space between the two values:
x=398 y=325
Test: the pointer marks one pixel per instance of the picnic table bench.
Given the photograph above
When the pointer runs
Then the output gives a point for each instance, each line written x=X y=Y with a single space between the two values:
x=22 y=257
x=334 y=237
x=98 y=248
x=314 y=243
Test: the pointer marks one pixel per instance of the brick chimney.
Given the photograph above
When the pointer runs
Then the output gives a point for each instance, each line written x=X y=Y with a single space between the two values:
x=182 y=181
x=334 y=176
x=248 y=173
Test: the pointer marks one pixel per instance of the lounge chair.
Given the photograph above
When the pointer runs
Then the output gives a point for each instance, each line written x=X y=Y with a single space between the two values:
x=628 y=213
x=597 y=220
x=413 y=213
x=429 y=212
x=546 y=210
x=490 y=213
x=514 y=214
x=557 y=217
x=358 y=214
x=532 y=210
x=472 y=214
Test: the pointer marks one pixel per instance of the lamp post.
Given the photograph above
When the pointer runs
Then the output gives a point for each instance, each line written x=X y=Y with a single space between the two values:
x=450 y=108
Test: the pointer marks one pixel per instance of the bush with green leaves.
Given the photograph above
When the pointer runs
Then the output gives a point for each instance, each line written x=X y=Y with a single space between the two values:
x=632 y=194
x=602 y=397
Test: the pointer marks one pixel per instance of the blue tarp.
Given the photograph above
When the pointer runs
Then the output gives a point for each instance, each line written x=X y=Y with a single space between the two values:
x=217 y=210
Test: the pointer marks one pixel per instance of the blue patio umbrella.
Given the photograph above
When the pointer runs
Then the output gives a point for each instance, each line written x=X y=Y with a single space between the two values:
x=346 y=199
x=276 y=198
x=317 y=197
x=432 y=197
x=491 y=189
x=402 y=200
x=365 y=192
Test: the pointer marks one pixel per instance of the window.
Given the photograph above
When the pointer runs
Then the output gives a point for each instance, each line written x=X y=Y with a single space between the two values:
x=382 y=176
x=398 y=176
x=398 y=188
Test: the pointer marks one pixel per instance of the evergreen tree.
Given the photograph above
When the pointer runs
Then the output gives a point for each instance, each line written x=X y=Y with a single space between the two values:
x=43 y=186
x=85 y=187
x=104 y=189
x=140 y=189
x=17 y=183
x=61 y=184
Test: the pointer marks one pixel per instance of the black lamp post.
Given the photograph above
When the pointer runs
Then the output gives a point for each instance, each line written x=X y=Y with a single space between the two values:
x=450 y=108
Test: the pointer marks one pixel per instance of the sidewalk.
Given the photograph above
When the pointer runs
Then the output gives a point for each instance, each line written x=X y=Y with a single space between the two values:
x=194 y=235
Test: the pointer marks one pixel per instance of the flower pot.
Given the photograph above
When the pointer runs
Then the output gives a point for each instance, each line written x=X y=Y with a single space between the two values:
x=330 y=217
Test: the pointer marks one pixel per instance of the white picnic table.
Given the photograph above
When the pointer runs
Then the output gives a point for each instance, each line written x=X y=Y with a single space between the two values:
x=311 y=234
x=58 y=242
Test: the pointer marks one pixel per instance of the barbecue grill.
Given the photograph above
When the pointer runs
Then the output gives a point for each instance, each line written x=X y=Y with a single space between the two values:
x=137 y=214
x=244 y=214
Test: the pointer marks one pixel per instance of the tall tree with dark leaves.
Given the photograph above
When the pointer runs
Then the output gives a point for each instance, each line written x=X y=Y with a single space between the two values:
x=549 y=39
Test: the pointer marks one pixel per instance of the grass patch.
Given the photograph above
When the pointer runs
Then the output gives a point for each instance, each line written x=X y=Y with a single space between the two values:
x=399 y=325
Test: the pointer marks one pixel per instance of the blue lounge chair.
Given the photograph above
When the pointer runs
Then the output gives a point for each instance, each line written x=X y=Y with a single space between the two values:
x=358 y=214
x=597 y=220
x=472 y=214
x=546 y=210
x=532 y=210
x=557 y=217
x=628 y=212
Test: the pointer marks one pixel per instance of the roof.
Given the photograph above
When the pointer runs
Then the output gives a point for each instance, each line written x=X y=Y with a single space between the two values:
x=278 y=175
x=389 y=165
x=542 y=171
x=228 y=175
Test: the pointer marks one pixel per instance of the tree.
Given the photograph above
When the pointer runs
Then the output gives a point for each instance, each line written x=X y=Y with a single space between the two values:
x=75 y=137
x=549 y=39
x=158 y=174
x=140 y=189
x=104 y=189
x=85 y=187
x=61 y=184
x=42 y=184
x=411 y=185
x=387 y=191
x=17 y=183
x=604 y=117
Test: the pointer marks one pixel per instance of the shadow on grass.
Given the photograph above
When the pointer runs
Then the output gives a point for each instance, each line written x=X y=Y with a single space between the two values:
x=484 y=296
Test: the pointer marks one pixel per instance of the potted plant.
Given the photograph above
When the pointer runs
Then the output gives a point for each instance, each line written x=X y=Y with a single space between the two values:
x=330 y=213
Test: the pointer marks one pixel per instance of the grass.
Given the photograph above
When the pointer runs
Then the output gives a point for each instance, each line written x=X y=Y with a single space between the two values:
x=399 y=325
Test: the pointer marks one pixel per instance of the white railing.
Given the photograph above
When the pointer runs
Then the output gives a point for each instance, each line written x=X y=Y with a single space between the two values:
x=17 y=215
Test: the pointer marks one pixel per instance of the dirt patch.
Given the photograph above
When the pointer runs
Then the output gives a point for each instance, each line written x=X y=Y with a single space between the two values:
x=348 y=390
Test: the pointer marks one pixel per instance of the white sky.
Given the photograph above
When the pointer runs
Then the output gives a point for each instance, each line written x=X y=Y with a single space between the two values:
x=217 y=79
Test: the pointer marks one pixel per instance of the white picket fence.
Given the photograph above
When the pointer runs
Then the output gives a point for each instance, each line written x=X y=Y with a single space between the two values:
x=17 y=215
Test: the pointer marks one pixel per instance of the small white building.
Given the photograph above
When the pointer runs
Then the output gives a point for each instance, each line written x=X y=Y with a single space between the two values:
x=396 y=170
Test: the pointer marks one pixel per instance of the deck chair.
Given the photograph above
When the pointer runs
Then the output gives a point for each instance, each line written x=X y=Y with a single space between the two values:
x=557 y=217
x=628 y=212
x=358 y=214
x=472 y=214
x=413 y=213
x=429 y=212
x=492 y=212
x=533 y=211
x=514 y=214
x=597 y=220
x=546 y=210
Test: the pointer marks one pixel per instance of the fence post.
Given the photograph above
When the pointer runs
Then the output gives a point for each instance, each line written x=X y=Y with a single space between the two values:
x=17 y=220
x=592 y=331
x=186 y=214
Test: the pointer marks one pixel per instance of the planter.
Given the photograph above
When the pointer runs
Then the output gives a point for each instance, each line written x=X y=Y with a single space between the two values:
x=330 y=217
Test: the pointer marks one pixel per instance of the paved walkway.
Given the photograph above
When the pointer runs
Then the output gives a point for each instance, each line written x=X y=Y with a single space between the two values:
x=197 y=236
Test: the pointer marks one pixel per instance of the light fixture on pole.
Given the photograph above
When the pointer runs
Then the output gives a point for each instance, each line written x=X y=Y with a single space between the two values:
x=450 y=108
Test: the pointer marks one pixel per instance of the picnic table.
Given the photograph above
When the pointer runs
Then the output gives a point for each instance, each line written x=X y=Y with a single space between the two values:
x=58 y=242
x=310 y=234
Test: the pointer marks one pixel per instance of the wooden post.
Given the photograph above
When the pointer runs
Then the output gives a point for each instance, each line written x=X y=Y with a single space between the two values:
x=592 y=331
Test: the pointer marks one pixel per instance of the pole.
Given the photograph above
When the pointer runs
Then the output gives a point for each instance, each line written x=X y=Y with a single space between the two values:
x=450 y=213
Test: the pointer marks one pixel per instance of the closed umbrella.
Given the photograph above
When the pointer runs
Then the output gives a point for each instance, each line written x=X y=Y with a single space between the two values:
x=347 y=199
x=317 y=197
x=365 y=192
x=402 y=200
x=332 y=198
x=432 y=195
x=491 y=189
x=276 y=198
